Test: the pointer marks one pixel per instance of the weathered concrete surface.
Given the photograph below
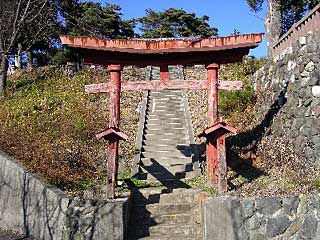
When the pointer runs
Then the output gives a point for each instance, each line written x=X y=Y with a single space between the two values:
x=30 y=207
x=289 y=217
x=217 y=218
x=27 y=204
x=87 y=220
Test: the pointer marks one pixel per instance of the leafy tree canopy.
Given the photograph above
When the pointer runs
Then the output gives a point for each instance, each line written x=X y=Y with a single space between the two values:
x=94 y=19
x=175 y=23
x=291 y=11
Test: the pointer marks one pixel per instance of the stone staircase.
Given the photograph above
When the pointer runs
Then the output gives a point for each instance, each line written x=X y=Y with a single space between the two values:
x=165 y=214
x=167 y=155
x=167 y=152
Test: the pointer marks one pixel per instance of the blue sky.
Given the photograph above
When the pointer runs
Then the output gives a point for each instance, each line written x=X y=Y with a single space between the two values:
x=226 y=15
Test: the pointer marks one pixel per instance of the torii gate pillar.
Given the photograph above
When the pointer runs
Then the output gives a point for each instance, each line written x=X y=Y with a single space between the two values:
x=213 y=117
x=113 y=133
x=215 y=133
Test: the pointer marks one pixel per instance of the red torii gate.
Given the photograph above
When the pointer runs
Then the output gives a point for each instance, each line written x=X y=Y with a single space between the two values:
x=120 y=52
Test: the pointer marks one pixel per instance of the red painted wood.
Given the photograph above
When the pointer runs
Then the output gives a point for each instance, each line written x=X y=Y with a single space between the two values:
x=212 y=82
x=211 y=150
x=222 y=164
x=111 y=132
x=164 y=73
x=216 y=153
x=114 y=122
x=211 y=153
x=112 y=167
x=219 y=126
x=161 y=45
x=115 y=92
x=98 y=57
x=158 y=85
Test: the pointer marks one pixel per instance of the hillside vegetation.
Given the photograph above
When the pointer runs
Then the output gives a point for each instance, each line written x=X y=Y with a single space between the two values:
x=49 y=124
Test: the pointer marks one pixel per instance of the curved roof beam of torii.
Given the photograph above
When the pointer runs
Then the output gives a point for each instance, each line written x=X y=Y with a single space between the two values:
x=163 y=51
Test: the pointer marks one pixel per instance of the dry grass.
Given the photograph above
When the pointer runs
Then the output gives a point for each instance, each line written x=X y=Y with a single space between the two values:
x=48 y=123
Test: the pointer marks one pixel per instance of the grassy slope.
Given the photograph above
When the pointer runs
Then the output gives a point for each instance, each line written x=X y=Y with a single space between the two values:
x=49 y=124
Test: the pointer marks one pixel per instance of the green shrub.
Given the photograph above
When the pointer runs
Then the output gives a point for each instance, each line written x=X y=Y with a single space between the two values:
x=238 y=101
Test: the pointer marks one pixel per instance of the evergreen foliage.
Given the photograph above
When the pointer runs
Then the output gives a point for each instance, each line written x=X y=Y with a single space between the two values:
x=291 y=10
x=175 y=23
x=94 y=19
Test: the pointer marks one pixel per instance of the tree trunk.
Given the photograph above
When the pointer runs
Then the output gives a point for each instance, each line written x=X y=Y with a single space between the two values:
x=4 y=65
x=273 y=24
x=18 y=59
x=29 y=60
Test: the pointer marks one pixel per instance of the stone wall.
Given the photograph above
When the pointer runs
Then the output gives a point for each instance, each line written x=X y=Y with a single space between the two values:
x=29 y=206
x=310 y=22
x=288 y=90
x=278 y=218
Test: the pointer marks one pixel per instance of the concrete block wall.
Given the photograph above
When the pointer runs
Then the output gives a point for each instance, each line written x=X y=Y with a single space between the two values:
x=31 y=207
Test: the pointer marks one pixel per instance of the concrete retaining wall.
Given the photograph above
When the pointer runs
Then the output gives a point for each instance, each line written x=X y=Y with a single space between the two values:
x=285 y=218
x=29 y=206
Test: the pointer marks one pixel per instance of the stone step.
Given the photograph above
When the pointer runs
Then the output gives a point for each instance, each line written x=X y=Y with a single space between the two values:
x=166 y=136
x=176 y=237
x=162 y=209
x=166 y=107
x=165 y=101
x=161 y=121
x=166 y=196
x=148 y=220
x=174 y=115
x=173 y=169
x=164 y=161
x=166 y=133
x=185 y=149
x=165 y=176
x=166 y=92
x=168 y=230
x=163 y=125
x=165 y=141
x=177 y=112
x=166 y=154
x=166 y=117
x=163 y=128
x=173 y=139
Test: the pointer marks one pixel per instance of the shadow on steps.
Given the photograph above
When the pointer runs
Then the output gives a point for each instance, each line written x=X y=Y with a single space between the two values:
x=167 y=212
